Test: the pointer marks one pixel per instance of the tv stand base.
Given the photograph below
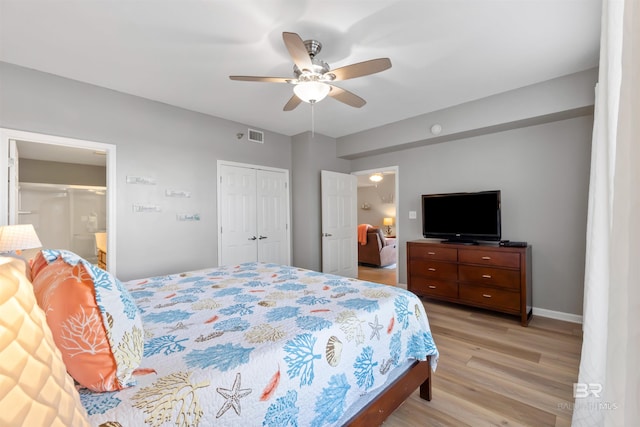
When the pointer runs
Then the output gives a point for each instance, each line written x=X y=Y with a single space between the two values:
x=492 y=277
x=460 y=242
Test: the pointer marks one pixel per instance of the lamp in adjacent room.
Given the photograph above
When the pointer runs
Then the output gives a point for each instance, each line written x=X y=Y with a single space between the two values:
x=16 y=239
x=388 y=222
x=376 y=177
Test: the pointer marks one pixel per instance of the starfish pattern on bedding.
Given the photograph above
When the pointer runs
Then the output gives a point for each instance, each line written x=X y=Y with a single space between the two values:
x=375 y=329
x=233 y=396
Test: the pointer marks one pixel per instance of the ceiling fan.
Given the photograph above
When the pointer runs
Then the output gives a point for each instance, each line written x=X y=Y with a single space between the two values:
x=314 y=78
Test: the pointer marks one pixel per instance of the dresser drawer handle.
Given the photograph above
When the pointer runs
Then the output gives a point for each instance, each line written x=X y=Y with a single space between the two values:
x=431 y=253
x=486 y=295
x=431 y=269
x=486 y=276
x=486 y=257
x=431 y=287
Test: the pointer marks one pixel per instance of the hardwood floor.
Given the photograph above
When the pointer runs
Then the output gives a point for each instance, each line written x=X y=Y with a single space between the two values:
x=377 y=275
x=492 y=371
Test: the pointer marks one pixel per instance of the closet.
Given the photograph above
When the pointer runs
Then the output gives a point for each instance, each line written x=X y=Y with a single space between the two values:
x=253 y=214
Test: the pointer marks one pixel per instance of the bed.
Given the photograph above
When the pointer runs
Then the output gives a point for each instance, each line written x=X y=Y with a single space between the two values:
x=270 y=345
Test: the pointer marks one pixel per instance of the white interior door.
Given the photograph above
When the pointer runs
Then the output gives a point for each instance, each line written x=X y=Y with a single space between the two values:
x=13 y=182
x=253 y=215
x=272 y=224
x=339 y=224
x=238 y=229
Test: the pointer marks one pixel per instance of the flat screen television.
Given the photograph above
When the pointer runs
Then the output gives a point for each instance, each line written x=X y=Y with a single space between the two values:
x=462 y=217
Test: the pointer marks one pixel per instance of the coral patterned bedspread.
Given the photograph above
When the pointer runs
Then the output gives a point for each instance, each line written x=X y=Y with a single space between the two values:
x=264 y=345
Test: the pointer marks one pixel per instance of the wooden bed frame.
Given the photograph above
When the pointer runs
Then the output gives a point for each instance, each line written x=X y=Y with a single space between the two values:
x=419 y=374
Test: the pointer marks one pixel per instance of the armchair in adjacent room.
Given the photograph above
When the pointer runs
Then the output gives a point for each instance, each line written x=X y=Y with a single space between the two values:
x=378 y=250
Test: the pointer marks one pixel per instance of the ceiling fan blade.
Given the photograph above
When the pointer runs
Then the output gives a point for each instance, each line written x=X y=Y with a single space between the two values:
x=361 y=69
x=261 y=79
x=292 y=103
x=297 y=50
x=347 y=97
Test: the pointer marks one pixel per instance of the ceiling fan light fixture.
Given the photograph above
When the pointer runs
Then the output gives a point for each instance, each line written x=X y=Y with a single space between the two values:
x=376 y=177
x=311 y=92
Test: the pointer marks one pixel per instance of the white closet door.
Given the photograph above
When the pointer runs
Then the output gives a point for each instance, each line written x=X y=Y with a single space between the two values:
x=253 y=215
x=238 y=232
x=272 y=214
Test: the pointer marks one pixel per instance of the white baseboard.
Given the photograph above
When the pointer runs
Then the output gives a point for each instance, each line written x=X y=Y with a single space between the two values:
x=559 y=315
x=542 y=312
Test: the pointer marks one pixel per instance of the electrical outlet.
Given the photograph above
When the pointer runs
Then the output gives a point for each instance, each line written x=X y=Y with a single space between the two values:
x=413 y=215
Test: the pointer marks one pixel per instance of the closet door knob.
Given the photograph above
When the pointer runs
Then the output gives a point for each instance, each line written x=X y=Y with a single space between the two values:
x=327 y=234
x=252 y=238
x=262 y=237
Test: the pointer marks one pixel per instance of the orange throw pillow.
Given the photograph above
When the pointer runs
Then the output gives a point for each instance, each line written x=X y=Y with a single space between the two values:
x=89 y=312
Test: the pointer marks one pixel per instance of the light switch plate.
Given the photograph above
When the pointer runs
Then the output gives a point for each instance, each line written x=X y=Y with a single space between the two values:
x=412 y=215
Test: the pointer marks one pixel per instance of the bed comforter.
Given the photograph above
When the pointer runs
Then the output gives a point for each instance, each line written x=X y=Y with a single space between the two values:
x=264 y=345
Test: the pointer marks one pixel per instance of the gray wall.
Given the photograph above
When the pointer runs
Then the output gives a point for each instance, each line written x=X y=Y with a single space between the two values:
x=543 y=173
x=310 y=155
x=562 y=97
x=178 y=148
x=42 y=171
x=533 y=144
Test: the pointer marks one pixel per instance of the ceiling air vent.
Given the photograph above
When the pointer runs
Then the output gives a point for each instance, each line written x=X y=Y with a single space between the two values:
x=256 y=136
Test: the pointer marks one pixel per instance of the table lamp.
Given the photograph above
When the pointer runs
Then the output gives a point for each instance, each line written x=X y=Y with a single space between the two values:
x=16 y=240
x=388 y=222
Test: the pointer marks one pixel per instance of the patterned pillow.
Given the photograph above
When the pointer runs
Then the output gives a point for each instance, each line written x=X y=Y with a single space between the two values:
x=95 y=323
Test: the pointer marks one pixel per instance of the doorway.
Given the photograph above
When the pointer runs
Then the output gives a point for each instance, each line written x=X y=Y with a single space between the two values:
x=378 y=206
x=46 y=150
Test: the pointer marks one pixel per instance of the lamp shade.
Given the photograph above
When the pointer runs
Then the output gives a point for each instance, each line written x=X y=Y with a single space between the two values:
x=18 y=237
x=387 y=221
x=311 y=92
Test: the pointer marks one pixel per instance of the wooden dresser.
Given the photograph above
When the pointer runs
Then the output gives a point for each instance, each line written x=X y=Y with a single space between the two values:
x=492 y=277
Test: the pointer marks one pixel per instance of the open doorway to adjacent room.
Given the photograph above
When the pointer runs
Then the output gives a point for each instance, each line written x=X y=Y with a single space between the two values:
x=65 y=188
x=377 y=208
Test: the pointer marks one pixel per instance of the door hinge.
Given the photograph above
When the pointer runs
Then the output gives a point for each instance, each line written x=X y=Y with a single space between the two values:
x=220 y=179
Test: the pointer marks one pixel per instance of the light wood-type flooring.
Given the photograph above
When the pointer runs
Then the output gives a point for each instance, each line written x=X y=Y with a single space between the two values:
x=494 y=372
x=377 y=275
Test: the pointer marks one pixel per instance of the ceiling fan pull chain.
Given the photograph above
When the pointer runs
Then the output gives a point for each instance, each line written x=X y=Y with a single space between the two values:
x=313 y=121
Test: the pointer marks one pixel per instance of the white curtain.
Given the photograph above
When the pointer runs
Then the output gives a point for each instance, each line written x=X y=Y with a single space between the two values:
x=608 y=388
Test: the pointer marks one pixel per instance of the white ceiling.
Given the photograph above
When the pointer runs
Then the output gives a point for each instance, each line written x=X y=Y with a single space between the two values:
x=444 y=52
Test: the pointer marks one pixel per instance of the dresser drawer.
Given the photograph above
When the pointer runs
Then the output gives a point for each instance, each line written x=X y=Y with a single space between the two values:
x=489 y=276
x=434 y=252
x=434 y=269
x=425 y=286
x=502 y=259
x=490 y=297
